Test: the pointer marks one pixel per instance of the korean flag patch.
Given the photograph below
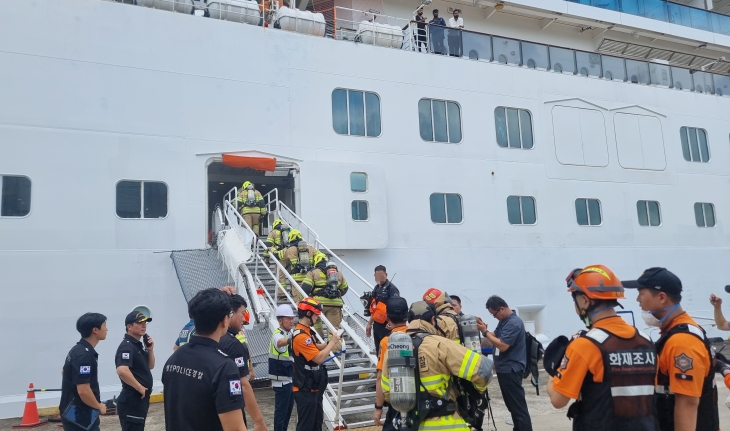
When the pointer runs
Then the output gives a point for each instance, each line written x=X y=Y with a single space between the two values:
x=85 y=369
x=235 y=386
x=125 y=355
x=240 y=362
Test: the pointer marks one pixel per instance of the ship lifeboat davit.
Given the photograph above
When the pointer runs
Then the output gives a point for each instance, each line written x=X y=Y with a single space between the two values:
x=300 y=21
x=245 y=11
x=373 y=33
x=182 y=6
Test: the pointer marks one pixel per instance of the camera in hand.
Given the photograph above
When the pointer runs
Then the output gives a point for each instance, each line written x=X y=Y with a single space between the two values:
x=366 y=299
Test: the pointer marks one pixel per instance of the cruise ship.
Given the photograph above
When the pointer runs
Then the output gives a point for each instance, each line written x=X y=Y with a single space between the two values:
x=491 y=159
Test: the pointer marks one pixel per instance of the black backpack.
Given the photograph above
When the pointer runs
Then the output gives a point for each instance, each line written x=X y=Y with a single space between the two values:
x=534 y=352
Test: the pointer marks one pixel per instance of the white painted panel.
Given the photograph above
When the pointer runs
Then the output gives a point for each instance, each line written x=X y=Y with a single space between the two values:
x=628 y=141
x=566 y=129
x=593 y=134
x=652 y=143
x=327 y=205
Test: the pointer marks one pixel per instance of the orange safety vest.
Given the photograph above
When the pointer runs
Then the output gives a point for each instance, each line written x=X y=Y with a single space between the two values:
x=378 y=311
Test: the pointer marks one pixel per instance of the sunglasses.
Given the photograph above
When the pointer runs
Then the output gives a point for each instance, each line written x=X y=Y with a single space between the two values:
x=495 y=313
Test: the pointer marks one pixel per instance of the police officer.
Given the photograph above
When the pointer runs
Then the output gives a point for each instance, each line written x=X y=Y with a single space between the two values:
x=447 y=323
x=280 y=368
x=80 y=397
x=252 y=204
x=310 y=377
x=277 y=239
x=298 y=259
x=202 y=384
x=615 y=395
x=686 y=396
x=134 y=360
x=327 y=285
x=439 y=360
x=233 y=344
x=398 y=321
x=383 y=290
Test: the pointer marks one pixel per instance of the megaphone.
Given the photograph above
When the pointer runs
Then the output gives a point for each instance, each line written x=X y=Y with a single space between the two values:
x=144 y=310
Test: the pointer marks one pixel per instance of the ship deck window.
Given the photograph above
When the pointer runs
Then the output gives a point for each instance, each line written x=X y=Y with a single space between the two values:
x=359 y=182
x=535 y=56
x=507 y=51
x=722 y=85
x=588 y=212
x=649 y=213
x=703 y=82
x=704 y=214
x=15 y=197
x=681 y=78
x=613 y=68
x=439 y=120
x=360 y=211
x=356 y=113
x=514 y=128
x=588 y=64
x=638 y=71
x=446 y=208
x=521 y=210
x=141 y=200
x=479 y=46
x=562 y=60
x=694 y=144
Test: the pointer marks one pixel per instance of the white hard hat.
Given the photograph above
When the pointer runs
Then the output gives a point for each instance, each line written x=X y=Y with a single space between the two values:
x=284 y=311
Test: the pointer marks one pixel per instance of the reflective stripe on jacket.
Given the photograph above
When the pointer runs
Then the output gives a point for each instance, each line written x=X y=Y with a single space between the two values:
x=280 y=364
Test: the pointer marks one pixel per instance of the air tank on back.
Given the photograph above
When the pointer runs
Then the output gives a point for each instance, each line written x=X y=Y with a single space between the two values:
x=402 y=371
x=472 y=340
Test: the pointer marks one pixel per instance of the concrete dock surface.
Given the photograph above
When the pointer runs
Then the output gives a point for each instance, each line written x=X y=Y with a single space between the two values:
x=544 y=416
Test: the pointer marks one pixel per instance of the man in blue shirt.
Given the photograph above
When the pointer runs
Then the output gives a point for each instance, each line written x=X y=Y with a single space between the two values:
x=510 y=359
x=436 y=34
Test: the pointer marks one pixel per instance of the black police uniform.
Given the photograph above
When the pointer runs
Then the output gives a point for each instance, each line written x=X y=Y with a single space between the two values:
x=201 y=382
x=382 y=294
x=131 y=406
x=81 y=367
x=236 y=350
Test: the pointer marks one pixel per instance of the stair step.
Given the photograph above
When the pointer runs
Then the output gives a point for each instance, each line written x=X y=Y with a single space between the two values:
x=361 y=382
x=356 y=396
x=357 y=361
x=357 y=409
x=353 y=425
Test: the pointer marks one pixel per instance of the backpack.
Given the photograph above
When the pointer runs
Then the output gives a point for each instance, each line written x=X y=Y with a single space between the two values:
x=534 y=352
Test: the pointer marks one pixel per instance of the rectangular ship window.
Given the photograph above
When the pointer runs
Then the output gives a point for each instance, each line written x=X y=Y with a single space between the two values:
x=15 y=197
x=141 y=200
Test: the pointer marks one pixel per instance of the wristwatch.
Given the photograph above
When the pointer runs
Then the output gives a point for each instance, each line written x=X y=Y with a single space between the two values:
x=377 y=407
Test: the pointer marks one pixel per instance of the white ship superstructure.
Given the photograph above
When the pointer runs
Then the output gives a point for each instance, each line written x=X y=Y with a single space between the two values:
x=560 y=134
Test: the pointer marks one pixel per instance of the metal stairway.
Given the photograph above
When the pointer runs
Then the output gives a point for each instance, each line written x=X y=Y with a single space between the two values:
x=350 y=395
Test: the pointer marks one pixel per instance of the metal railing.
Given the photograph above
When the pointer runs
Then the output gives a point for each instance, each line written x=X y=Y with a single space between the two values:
x=663 y=10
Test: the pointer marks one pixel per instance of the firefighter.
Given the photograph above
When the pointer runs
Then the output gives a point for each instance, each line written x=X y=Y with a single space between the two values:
x=309 y=376
x=253 y=205
x=686 y=396
x=612 y=396
x=439 y=362
x=327 y=285
x=398 y=321
x=447 y=322
x=298 y=259
x=278 y=238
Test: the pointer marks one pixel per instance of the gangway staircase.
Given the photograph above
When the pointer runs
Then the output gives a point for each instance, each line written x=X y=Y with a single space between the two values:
x=350 y=394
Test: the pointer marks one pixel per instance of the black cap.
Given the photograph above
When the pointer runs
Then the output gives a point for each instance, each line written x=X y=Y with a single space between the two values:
x=397 y=307
x=660 y=279
x=554 y=353
x=136 y=316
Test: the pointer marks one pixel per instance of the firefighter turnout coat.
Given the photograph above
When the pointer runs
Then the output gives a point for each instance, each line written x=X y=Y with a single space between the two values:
x=315 y=282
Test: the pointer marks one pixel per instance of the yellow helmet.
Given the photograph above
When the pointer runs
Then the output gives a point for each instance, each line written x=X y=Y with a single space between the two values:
x=295 y=235
x=246 y=184
x=319 y=257
x=276 y=223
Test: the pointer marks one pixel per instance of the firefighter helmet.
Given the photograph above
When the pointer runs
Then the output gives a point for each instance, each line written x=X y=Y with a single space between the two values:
x=319 y=257
x=595 y=282
x=421 y=310
x=295 y=235
x=276 y=224
x=436 y=297
x=246 y=184
x=310 y=304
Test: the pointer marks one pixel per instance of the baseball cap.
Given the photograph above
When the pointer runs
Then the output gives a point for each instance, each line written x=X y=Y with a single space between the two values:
x=660 y=279
x=397 y=306
x=136 y=316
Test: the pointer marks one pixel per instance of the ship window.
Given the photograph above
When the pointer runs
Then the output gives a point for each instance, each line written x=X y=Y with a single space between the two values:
x=439 y=120
x=563 y=60
x=704 y=214
x=588 y=212
x=359 y=182
x=141 y=200
x=521 y=210
x=360 y=211
x=355 y=113
x=15 y=197
x=649 y=213
x=446 y=208
x=514 y=128
x=694 y=144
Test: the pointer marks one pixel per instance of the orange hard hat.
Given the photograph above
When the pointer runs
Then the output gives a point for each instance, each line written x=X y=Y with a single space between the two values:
x=595 y=282
x=431 y=295
x=310 y=304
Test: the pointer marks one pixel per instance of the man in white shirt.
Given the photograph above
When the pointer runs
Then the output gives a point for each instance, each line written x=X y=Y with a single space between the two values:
x=280 y=368
x=457 y=23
